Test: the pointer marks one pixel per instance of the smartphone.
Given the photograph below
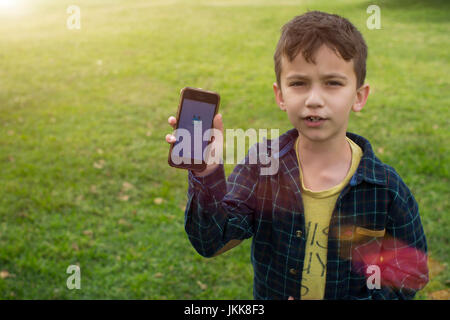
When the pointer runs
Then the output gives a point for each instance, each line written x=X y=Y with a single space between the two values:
x=195 y=115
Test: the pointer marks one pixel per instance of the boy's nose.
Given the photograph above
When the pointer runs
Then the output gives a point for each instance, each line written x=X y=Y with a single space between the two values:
x=314 y=99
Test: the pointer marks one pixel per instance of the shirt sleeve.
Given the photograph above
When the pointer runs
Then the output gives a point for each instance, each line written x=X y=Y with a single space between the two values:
x=403 y=256
x=218 y=211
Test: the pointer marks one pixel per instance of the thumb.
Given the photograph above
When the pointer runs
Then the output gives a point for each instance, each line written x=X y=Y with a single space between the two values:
x=218 y=123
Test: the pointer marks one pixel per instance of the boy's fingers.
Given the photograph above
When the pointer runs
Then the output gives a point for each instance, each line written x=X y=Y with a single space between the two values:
x=218 y=123
x=172 y=121
x=170 y=138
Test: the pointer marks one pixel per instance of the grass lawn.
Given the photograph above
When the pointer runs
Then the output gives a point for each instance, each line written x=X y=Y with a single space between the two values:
x=84 y=177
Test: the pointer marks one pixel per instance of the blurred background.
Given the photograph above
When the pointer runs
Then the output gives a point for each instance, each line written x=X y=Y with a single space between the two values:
x=84 y=178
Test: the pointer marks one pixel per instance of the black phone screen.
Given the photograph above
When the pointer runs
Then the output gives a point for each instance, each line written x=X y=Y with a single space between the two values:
x=193 y=114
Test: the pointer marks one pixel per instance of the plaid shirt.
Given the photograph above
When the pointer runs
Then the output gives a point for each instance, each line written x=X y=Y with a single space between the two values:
x=375 y=217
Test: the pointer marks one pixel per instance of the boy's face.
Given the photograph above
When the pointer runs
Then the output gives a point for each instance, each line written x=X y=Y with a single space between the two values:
x=326 y=89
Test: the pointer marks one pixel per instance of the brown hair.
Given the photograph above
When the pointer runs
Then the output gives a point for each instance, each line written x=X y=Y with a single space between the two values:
x=307 y=33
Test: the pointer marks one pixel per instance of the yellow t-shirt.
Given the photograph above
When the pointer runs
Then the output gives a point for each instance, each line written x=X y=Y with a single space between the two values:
x=318 y=210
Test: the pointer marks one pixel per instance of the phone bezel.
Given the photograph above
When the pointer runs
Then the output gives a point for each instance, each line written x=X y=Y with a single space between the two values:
x=201 y=95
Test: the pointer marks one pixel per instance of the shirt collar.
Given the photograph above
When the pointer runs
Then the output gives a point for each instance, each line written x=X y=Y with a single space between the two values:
x=370 y=168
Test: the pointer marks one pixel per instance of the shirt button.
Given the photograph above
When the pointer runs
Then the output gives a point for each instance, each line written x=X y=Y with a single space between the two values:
x=293 y=271
x=298 y=233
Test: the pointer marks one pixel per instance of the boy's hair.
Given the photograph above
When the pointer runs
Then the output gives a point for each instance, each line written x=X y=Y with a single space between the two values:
x=307 y=32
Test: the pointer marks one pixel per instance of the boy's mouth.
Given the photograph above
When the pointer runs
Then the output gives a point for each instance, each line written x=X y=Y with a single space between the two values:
x=314 y=118
x=314 y=121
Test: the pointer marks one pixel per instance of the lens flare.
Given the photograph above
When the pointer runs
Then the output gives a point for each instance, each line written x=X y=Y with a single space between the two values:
x=401 y=266
x=14 y=8
x=7 y=3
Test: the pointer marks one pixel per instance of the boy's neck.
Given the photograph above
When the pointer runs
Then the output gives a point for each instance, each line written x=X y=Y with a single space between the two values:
x=326 y=154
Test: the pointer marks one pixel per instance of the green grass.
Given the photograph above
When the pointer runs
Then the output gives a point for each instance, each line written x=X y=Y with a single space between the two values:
x=83 y=112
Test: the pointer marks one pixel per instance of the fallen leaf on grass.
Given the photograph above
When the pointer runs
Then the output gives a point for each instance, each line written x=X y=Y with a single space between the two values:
x=202 y=285
x=99 y=164
x=434 y=267
x=88 y=233
x=93 y=189
x=123 y=222
x=4 y=274
x=124 y=197
x=441 y=295
x=158 y=200
x=127 y=186
x=75 y=247
x=158 y=275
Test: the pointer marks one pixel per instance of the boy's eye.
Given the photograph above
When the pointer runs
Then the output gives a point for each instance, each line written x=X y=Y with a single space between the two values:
x=298 y=83
x=334 y=83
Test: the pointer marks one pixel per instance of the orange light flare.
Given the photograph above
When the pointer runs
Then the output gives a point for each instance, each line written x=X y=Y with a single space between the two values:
x=400 y=265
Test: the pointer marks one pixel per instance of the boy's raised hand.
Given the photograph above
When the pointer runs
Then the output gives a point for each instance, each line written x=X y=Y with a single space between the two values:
x=217 y=143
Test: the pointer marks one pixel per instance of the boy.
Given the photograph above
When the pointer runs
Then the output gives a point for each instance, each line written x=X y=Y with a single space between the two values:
x=333 y=222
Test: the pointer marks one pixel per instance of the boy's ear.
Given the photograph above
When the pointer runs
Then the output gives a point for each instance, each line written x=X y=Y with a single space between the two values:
x=361 y=97
x=279 y=96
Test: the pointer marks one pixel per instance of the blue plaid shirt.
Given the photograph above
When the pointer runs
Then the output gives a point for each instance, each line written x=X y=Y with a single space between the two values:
x=375 y=206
